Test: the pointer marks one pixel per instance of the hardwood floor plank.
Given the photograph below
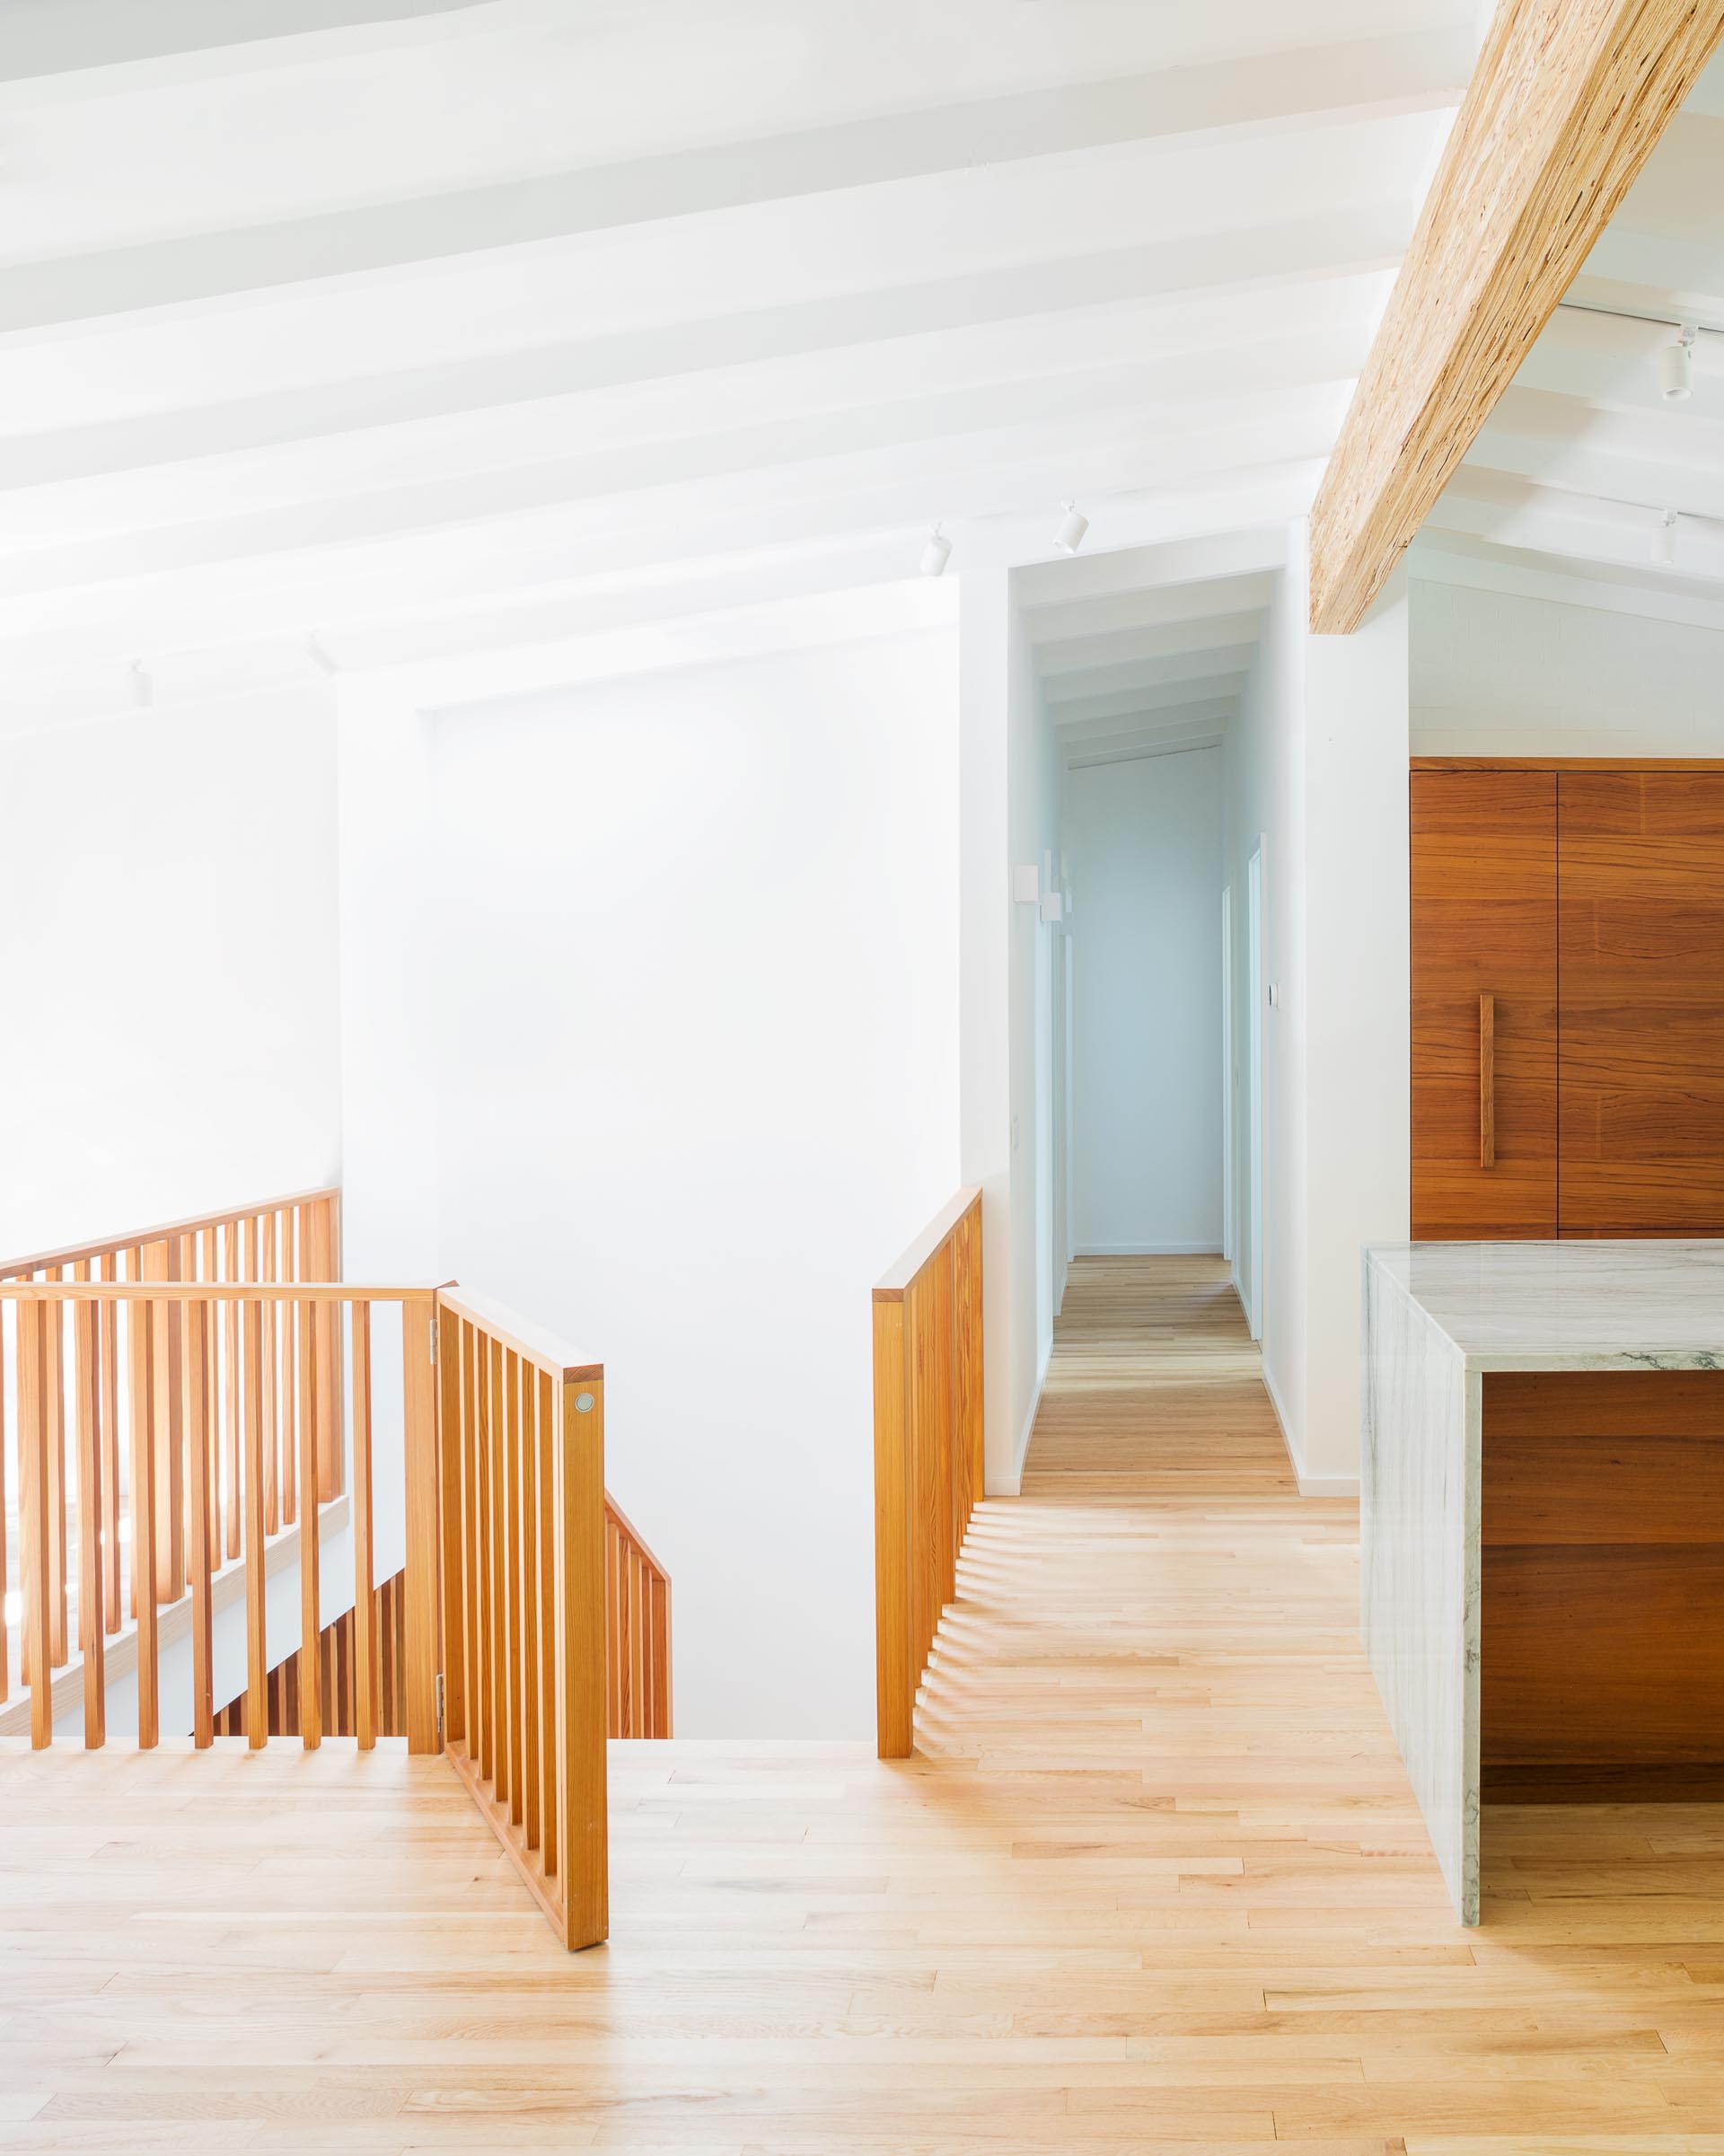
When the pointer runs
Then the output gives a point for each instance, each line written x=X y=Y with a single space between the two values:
x=1154 y=1883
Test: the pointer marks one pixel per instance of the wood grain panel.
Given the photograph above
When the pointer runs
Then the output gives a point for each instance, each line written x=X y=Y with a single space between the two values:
x=1602 y=1654
x=1603 y=1612
x=1642 y=1066
x=1565 y=104
x=1485 y=923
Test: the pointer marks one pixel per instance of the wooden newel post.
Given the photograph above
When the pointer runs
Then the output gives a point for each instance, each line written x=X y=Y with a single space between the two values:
x=419 y=1433
x=895 y=1656
x=580 y=1588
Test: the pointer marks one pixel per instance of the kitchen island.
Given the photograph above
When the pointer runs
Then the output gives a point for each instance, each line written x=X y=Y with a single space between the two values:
x=1542 y=1523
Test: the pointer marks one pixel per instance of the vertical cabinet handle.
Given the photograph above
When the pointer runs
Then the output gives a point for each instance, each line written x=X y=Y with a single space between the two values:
x=1487 y=1081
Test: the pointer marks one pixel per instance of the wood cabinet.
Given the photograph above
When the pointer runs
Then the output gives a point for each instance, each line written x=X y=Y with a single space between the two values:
x=1567 y=1001
x=1484 y=1040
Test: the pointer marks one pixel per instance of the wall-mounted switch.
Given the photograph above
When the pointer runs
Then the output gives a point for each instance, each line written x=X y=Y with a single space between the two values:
x=1027 y=885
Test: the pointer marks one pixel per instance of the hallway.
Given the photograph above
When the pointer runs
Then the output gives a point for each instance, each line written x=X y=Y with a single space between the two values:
x=1157 y=1886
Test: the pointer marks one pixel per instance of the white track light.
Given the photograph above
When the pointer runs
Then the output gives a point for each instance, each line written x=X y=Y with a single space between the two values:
x=1069 y=537
x=936 y=553
x=1664 y=550
x=1677 y=367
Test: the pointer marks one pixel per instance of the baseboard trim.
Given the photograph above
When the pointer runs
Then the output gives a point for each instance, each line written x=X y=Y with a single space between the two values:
x=1148 y=1250
x=1310 y=1485
x=1021 y=1450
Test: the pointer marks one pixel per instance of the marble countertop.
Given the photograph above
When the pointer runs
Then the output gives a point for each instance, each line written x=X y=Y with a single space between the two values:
x=1568 y=1306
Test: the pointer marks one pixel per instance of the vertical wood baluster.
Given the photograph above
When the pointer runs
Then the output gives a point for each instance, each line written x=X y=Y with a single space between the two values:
x=311 y=1623
x=195 y=1320
x=271 y=1437
x=502 y=1579
x=54 y=1380
x=229 y=1542
x=209 y=1269
x=162 y=1261
x=5 y=1644
x=140 y=1353
x=257 y=1704
x=451 y=1516
x=420 y=1427
x=109 y=1364
x=292 y=1319
x=133 y=1273
x=580 y=1490
x=894 y=1593
x=365 y=1604
x=34 y=1525
x=484 y=1658
x=91 y=1631
x=320 y=1239
x=527 y=1448
x=513 y=1611
x=544 y=1613
x=622 y=1641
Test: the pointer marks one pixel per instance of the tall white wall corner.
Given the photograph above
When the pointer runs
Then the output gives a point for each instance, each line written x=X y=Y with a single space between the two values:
x=985 y=906
x=1357 y=1019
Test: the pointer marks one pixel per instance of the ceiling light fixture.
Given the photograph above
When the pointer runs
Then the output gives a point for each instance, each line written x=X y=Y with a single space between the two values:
x=1663 y=548
x=1676 y=365
x=936 y=553
x=1069 y=537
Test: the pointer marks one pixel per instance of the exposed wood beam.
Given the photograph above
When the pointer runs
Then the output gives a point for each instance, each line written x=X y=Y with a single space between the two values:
x=1566 y=104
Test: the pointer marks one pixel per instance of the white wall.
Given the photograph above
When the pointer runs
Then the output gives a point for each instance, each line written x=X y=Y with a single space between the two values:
x=1143 y=845
x=1358 y=986
x=1263 y=800
x=1033 y=840
x=1316 y=761
x=692 y=1043
x=1497 y=673
x=168 y=946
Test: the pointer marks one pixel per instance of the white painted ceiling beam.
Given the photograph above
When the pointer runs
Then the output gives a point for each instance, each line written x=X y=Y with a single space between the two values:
x=1187 y=667
x=59 y=37
x=1133 y=750
x=1201 y=714
x=825 y=405
x=1134 y=702
x=1076 y=655
x=1051 y=625
x=1511 y=511
x=1180 y=563
x=1663 y=458
x=765 y=485
x=109 y=250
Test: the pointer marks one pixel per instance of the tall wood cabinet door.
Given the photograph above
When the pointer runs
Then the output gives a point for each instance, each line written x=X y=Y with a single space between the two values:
x=1641 y=879
x=1484 y=948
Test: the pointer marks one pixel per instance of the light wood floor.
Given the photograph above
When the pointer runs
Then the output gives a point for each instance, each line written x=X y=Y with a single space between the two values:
x=1158 y=1887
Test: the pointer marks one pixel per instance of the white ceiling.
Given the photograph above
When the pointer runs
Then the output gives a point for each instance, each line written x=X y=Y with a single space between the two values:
x=449 y=327
x=1146 y=651
x=1564 y=492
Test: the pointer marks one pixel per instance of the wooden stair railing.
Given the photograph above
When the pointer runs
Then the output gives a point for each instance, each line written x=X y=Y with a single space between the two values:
x=927 y=1450
x=636 y=1632
x=96 y=1464
x=523 y=1601
x=297 y=1237
x=338 y=1652
x=153 y=1392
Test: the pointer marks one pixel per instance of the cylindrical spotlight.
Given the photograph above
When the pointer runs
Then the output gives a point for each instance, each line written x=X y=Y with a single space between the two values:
x=1069 y=537
x=1663 y=548
x=1676 y=368
x=936 y=553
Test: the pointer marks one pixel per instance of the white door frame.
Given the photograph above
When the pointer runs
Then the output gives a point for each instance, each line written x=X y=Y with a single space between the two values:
x=1257 y=942
x=1229 y=1235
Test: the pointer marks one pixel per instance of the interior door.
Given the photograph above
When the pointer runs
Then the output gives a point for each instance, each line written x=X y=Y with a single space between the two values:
x=1484 y=989
x=1643 y=1002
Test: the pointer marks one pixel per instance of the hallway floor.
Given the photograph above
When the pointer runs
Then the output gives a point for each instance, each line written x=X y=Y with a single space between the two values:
x=1158 y=1886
